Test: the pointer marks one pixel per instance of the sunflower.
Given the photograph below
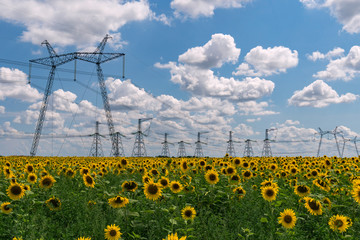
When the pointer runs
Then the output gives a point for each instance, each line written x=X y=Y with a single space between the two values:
x=129 y=186
x=356 y=194
x=53 y=204
x=326 y=201
x=302 y=190
x=240 y=192
x=124 y=162
x=29 y=168
x=212 y=177
x=152 y=190
x=339 y=223
x=32 y=178
x=112 y=232
x=88 y=180
x=17 y=238
x=83 y=238
x=188 y=213
x=234 y=179
x=15 y=191
x=47 y=181
x=236 y=162
x=287 y=218
x=269 y=193
x=230 y=170
x=6 y=208
x=176 y=187
x=164 y=182
x=184 y=166
x=70 y=173
x=118 y=202
x=247 y=174
x=174 y=237
x=313 y=206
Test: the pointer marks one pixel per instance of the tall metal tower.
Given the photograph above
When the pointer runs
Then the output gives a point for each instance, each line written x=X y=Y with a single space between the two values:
x=333 y=132
x=139 y=149
x=54 y=60
x=165 y=152
x=181 y=150
x=266 y=151
x=230 y=147
x=119 y=144
x=96 y=148
x=198 y=148
x=248 y=151
x=354 y=141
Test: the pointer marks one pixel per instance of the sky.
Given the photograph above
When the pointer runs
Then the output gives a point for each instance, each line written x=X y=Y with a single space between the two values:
x=208 y=66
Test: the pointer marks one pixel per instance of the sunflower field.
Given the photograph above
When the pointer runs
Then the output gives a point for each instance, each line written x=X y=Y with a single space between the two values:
x=85 y=198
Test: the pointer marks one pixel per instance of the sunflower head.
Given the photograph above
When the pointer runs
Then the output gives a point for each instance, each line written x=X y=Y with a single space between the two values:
x=6 y=207
x=47 y=181
x=152 y=190
x=112 y=232
x=339 y=223
x=313 y=206
x=129 y=186
x=88 y=180
x=212 y=177
x=176 y=187
x=164 y=182
x=53 y=204
x=188 y=213
x=302 y=190
x=118 y=202
x=287 y=218
x=174 y=237
x=269 y=193
x=15 y=191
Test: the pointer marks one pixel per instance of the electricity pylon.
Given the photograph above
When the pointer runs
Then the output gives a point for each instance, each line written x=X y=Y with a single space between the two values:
x=139 y=149
x=54 y=60
x=230 y=150
x=333 y=132
x=119 y=144
x=181 y=150
x=248 y=151
x=266 y=151
x=165 y=152
x=198 y=148
x=96 y=148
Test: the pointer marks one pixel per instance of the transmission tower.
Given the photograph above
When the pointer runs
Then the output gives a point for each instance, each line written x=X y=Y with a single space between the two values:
x=266 y=151
x=181 y=150
x=198 y=148
x=139 y=149
x=248 y=151
x=119 y=144
x=333 y=132
x=354 y=141
x=96 y=148
x=54 y=60
x=165 y=152
x=230 y=150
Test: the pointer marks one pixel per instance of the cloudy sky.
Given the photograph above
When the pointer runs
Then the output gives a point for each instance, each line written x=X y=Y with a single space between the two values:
x=209 y=66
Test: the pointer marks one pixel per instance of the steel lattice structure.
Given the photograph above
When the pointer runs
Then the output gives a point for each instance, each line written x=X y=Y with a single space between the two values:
x=230 y=147
x=165 y=152
x=96 y=148
x=54 y=60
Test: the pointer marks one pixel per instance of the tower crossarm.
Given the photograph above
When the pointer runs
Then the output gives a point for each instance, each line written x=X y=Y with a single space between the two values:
x=97 y=58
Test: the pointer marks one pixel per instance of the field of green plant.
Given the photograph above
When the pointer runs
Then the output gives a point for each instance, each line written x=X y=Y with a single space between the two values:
x=179 y=198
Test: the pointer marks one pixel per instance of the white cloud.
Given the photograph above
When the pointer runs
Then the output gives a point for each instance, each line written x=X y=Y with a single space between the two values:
x=244 y=130
x=336 y=52
x=347 y=12
x=344 y=68
x=220 y=49
x=318 y=94
x=13 y=84
x=2 y=109
x=197 y=8
x=265 y=62
x=81 y=23
x=251 y=120
x=7 y=129
x=254 y=108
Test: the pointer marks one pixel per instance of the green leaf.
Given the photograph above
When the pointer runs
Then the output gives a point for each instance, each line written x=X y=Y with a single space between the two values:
x=264 y=220
x=173 y=221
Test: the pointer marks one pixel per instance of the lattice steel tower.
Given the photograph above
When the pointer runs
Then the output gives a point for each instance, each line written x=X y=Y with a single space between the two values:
x=248 y=151
x=198 y=148
x=266 y=151
x=119 y=144
x=230 y=147
x=96 y=148
x=139 y=149
x=54 y=60
x=181 y=150
x=165 y=152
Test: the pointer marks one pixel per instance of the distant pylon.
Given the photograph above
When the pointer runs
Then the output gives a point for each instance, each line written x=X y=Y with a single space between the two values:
x=266 y=151
x=248 y=151
x=230 y=147
x=198 y=148
x=96 y=148
x=165 y=152
x=119 y=145
x=181 y=151
x=139 y=149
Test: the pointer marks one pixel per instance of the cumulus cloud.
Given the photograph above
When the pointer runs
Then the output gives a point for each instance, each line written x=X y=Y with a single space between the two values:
x=269 y=61
x=318 y=94
x=2 y=109
x=343 y=68
x=336 y=52
x=254 y=108
x=347 y=12
x=244 y=130
x=13 y=84
x=193 y=74
x=80 y=23
x=197 y=8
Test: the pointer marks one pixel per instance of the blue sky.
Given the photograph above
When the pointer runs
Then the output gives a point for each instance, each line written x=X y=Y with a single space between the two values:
x=211 y=66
